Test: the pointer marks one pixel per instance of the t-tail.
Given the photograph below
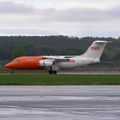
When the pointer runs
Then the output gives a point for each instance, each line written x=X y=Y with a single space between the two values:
x=95 y=50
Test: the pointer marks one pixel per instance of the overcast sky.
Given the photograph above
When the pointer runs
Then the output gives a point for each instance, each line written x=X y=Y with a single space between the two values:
x=98 y=18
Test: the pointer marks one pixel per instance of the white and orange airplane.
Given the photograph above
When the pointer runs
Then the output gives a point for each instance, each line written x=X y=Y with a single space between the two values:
x=55 y=63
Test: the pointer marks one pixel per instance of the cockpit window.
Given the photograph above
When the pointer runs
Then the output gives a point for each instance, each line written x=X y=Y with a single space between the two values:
x=16 y=60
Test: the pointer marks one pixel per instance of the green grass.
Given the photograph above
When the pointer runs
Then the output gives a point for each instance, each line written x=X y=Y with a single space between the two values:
x=46 y=79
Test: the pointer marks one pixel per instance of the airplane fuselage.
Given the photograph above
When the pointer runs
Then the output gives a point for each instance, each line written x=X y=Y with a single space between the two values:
x=33 y=62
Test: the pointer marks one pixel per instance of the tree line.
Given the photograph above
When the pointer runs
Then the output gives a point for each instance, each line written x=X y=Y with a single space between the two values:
x=14 y=46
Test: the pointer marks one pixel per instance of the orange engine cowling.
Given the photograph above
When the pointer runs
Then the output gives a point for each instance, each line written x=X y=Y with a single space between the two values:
x=45 y=63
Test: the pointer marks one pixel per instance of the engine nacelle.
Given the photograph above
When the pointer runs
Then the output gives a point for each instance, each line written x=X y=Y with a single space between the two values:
x=46 y=63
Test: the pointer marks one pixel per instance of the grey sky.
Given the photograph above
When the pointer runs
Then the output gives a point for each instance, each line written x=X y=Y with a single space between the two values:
x=53 y=17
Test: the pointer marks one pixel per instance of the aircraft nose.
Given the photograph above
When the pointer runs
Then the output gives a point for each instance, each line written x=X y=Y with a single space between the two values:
x=9 y=65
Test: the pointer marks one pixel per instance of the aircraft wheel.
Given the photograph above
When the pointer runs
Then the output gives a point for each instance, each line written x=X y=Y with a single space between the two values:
x=50 y=72
x=55 y=72
x=12 y=72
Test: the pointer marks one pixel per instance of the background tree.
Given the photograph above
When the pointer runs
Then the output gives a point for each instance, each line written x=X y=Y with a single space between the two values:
x=17 y=52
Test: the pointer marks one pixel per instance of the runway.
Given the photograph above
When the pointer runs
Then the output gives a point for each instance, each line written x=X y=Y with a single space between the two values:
x=91 y=73
x=60 y=103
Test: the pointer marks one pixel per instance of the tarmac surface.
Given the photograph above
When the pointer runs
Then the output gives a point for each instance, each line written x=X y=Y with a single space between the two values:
x=60 y=103
x=91 y=73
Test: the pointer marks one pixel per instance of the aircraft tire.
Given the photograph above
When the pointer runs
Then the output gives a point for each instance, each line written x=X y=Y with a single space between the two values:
x=52 y=72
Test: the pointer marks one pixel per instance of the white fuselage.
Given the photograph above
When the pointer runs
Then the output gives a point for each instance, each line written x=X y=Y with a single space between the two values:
x=74 y=62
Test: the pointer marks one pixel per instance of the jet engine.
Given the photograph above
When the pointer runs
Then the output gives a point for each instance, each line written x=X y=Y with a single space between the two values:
x=46 y=63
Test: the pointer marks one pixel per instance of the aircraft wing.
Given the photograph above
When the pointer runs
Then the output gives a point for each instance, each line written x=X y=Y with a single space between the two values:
x=57 y=58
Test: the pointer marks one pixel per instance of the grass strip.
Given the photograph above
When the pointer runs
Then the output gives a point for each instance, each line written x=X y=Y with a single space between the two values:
x=46 y=79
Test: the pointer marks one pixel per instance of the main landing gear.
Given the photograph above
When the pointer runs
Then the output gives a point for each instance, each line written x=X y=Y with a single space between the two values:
x=52 y=72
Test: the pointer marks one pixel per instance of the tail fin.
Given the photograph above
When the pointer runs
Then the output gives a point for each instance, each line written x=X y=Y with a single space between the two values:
x=95 y=50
